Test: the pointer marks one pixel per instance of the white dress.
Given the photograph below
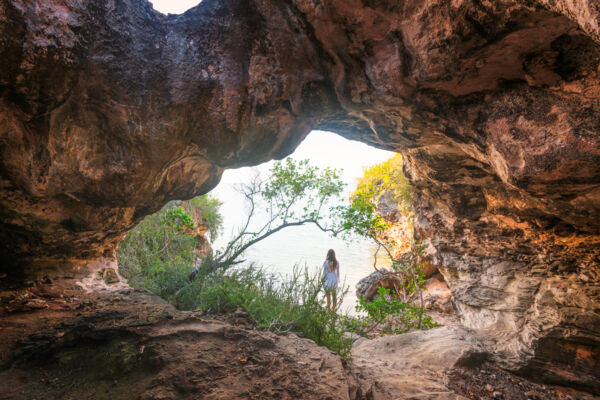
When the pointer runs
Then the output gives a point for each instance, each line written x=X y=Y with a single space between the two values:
x=331 y=278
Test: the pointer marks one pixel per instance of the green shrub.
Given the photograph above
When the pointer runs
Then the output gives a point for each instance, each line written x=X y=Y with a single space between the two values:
x=161 y=250
x=400 y=316
x=291 y=304
x=207 y=208
x=386 y=177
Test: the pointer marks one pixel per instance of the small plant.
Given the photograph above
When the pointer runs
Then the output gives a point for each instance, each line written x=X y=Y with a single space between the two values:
x=398 y=315
x=178 y=219
x=401 y=309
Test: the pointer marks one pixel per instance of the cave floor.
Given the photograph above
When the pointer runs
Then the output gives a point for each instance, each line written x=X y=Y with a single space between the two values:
x=64 y=337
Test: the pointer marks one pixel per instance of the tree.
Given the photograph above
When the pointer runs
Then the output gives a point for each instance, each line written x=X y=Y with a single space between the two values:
x=206 y=210
x=386 y=177
x=293 y=194
x=361 y=217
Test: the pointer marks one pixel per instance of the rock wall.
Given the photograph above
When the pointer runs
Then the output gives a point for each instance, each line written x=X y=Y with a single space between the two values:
x=110 y=109
x=530 y=283
x=400 y=231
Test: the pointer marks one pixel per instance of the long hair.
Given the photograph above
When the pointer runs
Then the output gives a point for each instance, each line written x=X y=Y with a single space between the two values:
x=331 y=260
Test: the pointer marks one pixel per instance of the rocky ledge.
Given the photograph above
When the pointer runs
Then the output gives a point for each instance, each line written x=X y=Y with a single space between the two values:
x=76 y=335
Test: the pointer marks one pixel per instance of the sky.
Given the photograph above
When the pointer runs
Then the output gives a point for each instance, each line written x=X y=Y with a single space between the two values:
x=173 y=6
x=322 y=149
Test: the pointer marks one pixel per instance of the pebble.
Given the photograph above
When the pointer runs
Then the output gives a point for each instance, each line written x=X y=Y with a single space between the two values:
x=531 y=394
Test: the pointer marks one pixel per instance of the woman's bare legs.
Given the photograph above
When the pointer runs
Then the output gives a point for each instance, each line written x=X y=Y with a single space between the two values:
x=334 y=295
x=331 y=294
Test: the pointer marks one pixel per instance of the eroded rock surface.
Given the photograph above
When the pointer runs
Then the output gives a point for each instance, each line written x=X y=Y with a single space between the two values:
x=415 y=365
x=64 y=339
x=109 y=109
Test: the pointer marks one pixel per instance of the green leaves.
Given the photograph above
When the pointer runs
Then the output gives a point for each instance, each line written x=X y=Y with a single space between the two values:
x=401 y=316
x=160 y=252
x=289 y=304
x=294 y=193
x=360 y=217
x=386 y=177
x=291 y=182
x=178 y=219
x=208 y=207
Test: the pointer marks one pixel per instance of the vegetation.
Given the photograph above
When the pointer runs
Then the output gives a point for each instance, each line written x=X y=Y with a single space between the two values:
x=386 y=177
x=402 y=309
x=398 y=309
x=294 y=194
x=164 y=253
x=293 y=303
x=386 y=308
x=160 y=251
x=206 y=210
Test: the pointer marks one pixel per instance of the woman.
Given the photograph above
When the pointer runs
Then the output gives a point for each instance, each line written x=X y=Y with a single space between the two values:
x=331 y=275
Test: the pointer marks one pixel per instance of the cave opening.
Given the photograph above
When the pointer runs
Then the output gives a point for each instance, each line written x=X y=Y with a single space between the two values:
x=174 y=6
x=304 y=245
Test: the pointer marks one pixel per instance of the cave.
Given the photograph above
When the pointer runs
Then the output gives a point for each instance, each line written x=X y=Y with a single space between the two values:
x=111 y=109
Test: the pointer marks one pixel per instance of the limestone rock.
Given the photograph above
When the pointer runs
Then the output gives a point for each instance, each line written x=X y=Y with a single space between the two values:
x=415 y=364
x=367 y=286
x=437 y=296
x=109 y=276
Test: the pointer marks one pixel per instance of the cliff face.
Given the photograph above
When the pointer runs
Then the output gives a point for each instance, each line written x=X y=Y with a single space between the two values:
x=108 y=110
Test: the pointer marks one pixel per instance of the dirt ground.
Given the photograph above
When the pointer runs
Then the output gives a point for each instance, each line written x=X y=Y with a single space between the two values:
x=59 y=342
x=488 y=382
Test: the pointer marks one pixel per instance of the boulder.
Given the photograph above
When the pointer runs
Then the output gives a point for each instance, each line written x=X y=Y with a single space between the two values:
x=437 y=296
x=367 y=287
x=416 y=364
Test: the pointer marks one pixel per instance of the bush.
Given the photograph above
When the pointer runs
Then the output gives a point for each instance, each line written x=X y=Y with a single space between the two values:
x=402 y=308
x=291 y=304
x=160 y=251
x=400 y=316
x=207 y=209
